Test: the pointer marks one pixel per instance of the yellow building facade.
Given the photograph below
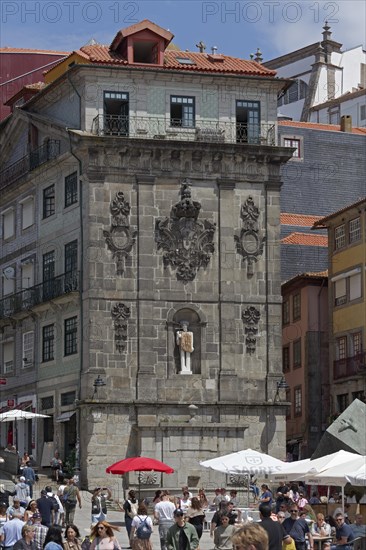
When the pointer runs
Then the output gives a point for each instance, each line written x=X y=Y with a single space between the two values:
x=347 y=304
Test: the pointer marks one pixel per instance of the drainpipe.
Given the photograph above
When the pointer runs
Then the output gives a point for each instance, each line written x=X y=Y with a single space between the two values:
x=266 y=307
x=81 y=310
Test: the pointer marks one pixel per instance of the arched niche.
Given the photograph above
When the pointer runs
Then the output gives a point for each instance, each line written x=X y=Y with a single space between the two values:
x=196 y=324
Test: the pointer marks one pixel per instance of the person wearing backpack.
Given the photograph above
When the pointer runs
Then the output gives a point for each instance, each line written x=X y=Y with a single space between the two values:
x=70 y=497
x=141 y=530
x=57 y=505
x=99 y=503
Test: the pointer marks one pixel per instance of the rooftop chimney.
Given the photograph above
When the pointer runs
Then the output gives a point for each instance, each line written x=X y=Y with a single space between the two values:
x=346 y=123
x=213 y=50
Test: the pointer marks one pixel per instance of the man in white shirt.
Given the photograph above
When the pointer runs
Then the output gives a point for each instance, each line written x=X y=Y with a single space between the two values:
x=164 y=513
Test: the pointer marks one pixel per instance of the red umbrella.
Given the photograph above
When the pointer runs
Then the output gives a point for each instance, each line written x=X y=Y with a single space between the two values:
x=138 y=464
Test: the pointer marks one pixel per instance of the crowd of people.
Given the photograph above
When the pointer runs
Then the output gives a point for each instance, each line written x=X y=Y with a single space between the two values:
x=287 y=520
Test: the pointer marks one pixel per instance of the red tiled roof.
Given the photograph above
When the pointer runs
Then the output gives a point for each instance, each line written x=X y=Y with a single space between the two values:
x=9 y=49
x=321 y=223
x=306 y=275
x=306 y=239
x=203 y=62
x=301 y=220
x=316 y=126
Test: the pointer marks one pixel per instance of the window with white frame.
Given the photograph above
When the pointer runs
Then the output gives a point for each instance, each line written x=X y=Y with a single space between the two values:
x=28 y=349
x=8 y=219
x=8 y=356
x=27 y=206
x=341 y=348
x=297 y=401
x=340 y=236
x=182 y=111
x=354 y=286
x=356 y=342
x=8 y=280
x=294 y=144
x=340 y=292
x=354 y=230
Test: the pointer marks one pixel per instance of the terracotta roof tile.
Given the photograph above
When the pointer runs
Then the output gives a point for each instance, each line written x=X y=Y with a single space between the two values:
x=316 y=126
x=321 y=222
x=300 y=220
x=102 y=54
x=9 y=49
x=306 y=239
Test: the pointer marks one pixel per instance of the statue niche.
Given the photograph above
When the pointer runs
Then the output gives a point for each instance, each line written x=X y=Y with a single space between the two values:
x=187 y=341
x=186 y=241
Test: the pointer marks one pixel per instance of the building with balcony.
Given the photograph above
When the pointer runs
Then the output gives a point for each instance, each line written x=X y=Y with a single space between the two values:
x=347 y=306
x=305 y=361
x=141 y=295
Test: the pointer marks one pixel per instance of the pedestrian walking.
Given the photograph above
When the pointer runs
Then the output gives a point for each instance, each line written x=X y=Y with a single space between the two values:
x=72 y=538
x=99 y=504
x=130 y=507
x=298 y=529
x=27 y=540
x=181 y=535
x=103 y=537
x=276 y=533
x=53 y=538
x=223 y=534
x=141 y=530
x=22 y=491
x=251 y=536
x=40 y=531
x=46 y=509
x=164 y=514
x=30 y=477
x=12 y=532
x=71 y=497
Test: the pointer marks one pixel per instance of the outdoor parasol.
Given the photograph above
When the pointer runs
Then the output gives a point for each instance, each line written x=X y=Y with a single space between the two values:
x=139 y=464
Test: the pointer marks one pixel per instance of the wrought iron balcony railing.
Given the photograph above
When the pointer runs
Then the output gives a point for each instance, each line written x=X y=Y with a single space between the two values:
x=48 y=151
x=351 y=366
x=182 y=130
x=30 y=297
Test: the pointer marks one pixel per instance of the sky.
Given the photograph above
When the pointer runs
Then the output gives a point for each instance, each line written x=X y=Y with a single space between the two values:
x=235 y=27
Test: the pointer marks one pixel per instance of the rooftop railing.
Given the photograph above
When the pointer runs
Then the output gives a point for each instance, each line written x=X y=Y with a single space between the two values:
x=48 y=151
x=351 y=366
x=183 y=130
x=30 y=297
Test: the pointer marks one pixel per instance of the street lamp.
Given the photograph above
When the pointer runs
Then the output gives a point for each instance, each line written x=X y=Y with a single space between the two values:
x=281 y=385
x=98 y=383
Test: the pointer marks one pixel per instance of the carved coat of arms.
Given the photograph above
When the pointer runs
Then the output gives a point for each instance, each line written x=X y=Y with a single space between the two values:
x=187 y=242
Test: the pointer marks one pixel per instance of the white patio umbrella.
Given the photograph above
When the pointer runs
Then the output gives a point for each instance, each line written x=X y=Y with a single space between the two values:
x=298 y=470
x=336 y=475
x=358 y=477
x=17 y=414
x=244 y=462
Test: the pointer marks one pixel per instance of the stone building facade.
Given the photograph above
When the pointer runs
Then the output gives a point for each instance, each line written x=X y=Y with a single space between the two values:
x=165 y=218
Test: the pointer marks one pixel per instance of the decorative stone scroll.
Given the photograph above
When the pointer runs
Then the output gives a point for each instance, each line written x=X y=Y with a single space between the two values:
x=120 y=313
x=186 y=241
x=148 y=478
x=249 y=244
x=120 y=238
x=251 y=317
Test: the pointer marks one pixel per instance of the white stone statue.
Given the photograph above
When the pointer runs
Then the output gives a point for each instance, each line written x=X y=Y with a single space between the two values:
x=184 y=340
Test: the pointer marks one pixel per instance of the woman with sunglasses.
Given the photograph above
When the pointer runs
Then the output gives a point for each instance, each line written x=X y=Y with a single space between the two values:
x=103 y=537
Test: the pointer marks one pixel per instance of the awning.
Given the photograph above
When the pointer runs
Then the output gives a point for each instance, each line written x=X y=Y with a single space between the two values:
x=65 y=417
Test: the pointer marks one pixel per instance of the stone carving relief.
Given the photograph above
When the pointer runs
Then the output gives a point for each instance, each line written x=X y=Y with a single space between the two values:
x=239 y=480
x=148 y=478
x=120 y=238
x=120 y=314
x=249 y=244
x=187 y=242
x=251 y=317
